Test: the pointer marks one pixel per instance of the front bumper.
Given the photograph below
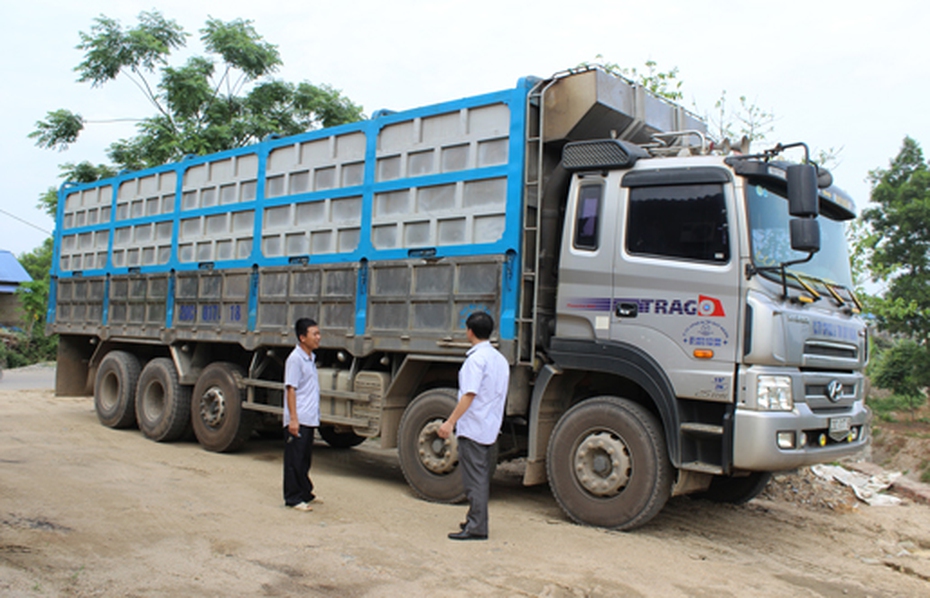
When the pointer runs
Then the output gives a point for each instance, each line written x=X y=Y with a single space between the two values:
x=755 y=434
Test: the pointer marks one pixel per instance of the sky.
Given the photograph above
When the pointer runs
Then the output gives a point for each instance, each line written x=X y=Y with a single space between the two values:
x=847 y=75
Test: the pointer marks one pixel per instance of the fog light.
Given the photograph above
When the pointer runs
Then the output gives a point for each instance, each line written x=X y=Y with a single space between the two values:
x=803 y=441
x=853 y=434
x=822 y=441
x=785 y=440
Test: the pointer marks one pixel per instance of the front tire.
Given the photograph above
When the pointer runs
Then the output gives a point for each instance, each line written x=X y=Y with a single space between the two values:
x=163 y=406
x=220 y=423
x=115 y=388
x=430 y=463
x=608 y=465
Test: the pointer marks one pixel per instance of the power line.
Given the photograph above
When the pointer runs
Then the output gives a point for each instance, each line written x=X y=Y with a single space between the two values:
x=15 y=217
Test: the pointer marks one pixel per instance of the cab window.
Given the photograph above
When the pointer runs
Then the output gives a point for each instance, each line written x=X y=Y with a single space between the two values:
x=678 y=221
x=588 y=217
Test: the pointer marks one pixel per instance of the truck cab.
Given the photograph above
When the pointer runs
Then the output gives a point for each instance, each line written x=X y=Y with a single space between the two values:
x=680 y=291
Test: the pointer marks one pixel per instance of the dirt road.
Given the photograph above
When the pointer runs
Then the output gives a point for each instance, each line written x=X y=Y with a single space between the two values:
x=90 y=511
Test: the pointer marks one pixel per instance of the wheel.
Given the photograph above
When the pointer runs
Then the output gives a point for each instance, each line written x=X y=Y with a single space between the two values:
x=114 y=389
x=608 y=465
x=220 y=423
x=429 y=463
x=163 y=406
x=339 y=439
x=736 y=490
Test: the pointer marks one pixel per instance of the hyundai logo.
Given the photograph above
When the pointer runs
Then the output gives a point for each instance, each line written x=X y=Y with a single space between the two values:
x=834 y=390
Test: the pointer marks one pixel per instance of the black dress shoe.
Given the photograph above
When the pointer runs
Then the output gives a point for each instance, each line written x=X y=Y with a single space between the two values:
x=463 y=525
x=463 y=535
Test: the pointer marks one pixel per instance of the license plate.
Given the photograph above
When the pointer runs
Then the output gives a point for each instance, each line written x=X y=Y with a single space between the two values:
x=839 y=427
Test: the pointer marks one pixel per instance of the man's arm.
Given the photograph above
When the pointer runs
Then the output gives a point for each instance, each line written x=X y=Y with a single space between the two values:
x=293 y=426
x=445 y=430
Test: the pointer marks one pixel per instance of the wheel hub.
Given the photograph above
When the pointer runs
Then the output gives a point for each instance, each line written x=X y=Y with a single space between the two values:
x=109 y=391
x=602 y=464
x=212 y=407
x=438 y=455
x=153 y=399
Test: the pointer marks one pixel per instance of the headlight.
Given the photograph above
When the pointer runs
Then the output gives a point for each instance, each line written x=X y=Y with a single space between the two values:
x=773 y=393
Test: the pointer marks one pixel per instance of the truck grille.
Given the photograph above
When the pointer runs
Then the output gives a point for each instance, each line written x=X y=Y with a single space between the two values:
x=830 y=350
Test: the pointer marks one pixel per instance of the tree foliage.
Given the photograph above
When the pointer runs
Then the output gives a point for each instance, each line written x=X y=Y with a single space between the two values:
x=225 y=99
x=32 y=346
x=896 y=244
x=744 y=119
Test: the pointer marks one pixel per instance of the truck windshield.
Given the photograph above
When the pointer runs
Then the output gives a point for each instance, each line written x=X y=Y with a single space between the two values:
x=771 y=241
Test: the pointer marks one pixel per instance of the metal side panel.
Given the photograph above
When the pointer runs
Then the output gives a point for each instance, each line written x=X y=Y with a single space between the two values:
x=420 y=305
x=593 y=104
x=79 y=305
x=325 y=293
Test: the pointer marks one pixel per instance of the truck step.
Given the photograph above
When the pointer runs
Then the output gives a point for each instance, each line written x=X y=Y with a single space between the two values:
x=702 y=429
x=702 y=467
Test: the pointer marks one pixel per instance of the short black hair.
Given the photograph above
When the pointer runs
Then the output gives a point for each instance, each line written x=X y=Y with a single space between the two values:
x=302 y=325
x=481 y=324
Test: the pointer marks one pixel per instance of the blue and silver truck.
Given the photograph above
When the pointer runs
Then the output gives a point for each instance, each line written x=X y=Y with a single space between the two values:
x=679 y=317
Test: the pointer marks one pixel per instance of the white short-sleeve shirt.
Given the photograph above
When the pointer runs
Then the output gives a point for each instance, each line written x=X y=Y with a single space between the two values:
x=487 y=374
x=300 y=372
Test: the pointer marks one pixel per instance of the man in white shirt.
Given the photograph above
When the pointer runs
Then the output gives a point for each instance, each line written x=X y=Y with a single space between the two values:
x=301 y=415
x=477 y=419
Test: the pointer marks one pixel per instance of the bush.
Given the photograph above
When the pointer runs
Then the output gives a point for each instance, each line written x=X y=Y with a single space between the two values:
x=18 y=349
x=885 y=408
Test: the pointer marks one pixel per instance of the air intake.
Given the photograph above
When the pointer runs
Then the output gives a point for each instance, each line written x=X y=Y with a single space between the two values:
x=603 y=154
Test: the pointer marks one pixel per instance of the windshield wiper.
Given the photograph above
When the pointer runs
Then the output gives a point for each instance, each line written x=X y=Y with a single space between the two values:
x=782 y=269
x=841 y=301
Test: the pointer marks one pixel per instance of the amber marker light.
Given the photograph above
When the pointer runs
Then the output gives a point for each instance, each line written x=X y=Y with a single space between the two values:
x=703 y=353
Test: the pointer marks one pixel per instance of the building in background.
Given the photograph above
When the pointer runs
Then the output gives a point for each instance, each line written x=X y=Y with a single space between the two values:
x=12 y=274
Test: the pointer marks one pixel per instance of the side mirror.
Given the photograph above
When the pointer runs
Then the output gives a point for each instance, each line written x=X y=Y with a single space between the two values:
x=802 y=190
x=805 y=235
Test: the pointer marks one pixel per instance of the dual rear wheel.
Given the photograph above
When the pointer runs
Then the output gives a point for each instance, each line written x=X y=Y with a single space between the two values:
x=152 y=397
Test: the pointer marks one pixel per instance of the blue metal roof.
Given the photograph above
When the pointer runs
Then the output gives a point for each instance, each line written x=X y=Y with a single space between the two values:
x=10 y=269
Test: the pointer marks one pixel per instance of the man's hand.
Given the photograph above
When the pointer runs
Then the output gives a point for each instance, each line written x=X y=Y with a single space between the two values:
x=445 y=430
x=293 y=427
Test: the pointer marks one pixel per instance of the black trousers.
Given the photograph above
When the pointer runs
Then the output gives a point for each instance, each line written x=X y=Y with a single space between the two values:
x=475 y=462
x=298 y=454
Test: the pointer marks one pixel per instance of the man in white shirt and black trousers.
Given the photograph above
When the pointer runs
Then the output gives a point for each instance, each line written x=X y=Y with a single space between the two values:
x=476 y=420
x=301 y=415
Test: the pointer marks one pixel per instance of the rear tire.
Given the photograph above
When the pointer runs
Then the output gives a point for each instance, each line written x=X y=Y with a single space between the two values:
x=115 y=388
x=736 y=490
x=608 y=465
x=429 y=463
x=220 y=423
x=163 y=406
x=340 y=440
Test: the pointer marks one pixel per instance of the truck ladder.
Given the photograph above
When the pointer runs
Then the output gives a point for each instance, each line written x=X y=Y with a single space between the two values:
x=532 y=192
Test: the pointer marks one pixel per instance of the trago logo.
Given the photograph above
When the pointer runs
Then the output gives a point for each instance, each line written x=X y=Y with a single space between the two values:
x=709 y=307
x=702 y=307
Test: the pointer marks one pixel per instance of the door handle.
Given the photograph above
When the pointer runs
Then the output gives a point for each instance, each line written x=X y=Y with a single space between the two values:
x=627 y=310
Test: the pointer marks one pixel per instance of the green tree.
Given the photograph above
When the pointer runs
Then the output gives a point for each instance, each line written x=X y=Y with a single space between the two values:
x=211 y=103
x=33 y=346
x=897 y=243
x=904 y=368
x=38 y=262
x=33 y=295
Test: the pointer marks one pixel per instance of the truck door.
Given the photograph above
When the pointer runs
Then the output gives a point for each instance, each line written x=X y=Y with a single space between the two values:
x=676 y=276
